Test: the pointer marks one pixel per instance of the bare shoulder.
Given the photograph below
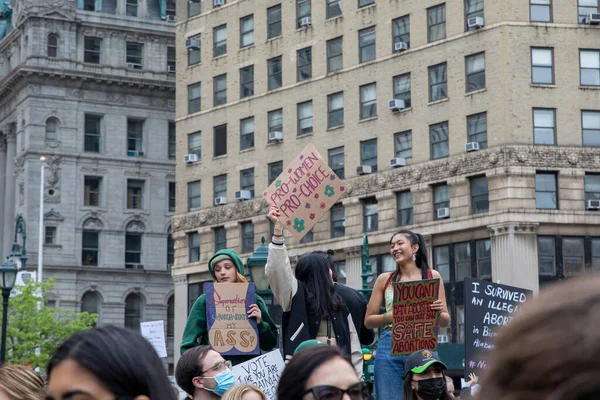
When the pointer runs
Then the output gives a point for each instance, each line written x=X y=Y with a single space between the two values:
x=436 y=274
x=382 y=278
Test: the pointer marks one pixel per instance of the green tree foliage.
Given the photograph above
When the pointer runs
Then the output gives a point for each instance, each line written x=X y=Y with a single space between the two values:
x=35 y=330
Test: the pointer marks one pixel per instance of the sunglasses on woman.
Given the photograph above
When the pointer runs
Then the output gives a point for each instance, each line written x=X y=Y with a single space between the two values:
x=358 y=391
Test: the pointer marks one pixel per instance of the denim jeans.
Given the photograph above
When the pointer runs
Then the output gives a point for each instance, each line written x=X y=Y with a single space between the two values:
x=389 y=370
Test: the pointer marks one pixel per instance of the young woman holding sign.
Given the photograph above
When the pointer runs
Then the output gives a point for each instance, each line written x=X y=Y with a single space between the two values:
x=410 y=254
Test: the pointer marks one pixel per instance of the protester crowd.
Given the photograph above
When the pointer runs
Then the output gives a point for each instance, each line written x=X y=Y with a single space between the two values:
x=549 y=351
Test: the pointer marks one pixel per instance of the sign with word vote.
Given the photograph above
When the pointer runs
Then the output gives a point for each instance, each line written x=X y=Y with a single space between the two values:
x=263 y=371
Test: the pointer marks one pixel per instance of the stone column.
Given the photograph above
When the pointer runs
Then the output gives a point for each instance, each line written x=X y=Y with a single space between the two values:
x=9 y=193
x=181 y=312
x=514 y=254
x=354 y=267
x=2 y=185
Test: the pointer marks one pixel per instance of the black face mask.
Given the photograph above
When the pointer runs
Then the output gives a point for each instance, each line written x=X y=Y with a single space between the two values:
x=432 y=388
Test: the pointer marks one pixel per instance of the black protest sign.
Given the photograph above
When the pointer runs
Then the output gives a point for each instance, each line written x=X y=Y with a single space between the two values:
x=488 y=307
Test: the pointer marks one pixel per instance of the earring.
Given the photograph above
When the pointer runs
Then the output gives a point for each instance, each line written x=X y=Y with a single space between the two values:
x=414 y=257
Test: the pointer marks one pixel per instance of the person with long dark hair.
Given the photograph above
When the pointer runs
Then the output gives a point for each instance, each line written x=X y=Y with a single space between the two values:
x=425 y=378
x=107 y=363
x=410 y=254
x=313 y=307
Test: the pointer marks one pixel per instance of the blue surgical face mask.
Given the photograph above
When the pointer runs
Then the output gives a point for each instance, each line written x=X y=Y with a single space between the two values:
x=225 y=381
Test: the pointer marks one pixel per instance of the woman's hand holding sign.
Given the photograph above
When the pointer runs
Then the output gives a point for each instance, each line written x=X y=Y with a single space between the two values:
x=437 y=306
x=255 y=312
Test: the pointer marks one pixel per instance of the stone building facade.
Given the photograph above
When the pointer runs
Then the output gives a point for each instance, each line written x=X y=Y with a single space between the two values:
x=91 y=87
x=493 y=138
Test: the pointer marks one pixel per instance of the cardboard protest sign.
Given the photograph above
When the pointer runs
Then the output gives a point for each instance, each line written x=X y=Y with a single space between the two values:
x=154 y=332
x=488 y=307
x=304 y=192
x=415 y=324
x=263 y=371
x=230 y=331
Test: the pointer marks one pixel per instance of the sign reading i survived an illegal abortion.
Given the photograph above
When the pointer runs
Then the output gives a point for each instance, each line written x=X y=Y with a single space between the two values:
x=488 y=307
x=304 y=192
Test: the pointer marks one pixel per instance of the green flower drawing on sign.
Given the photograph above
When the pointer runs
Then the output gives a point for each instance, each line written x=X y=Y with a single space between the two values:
x=278 y=183
x=329 y=191
x=299 y=224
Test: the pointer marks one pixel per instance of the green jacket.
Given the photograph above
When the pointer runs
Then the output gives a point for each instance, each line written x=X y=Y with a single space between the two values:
x=195 y=332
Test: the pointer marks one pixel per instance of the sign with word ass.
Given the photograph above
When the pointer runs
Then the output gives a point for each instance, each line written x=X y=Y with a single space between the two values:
x=415 y=324
x=154 y=332
x=263 y=371
x=488 y=307
x=230 y=331
x=304 y=192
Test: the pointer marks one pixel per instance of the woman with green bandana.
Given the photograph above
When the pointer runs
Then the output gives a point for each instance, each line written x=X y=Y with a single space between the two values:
x=226 y=266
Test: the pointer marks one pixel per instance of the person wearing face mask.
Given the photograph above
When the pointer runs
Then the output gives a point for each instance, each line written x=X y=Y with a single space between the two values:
x=425 y=378
x=203 y=374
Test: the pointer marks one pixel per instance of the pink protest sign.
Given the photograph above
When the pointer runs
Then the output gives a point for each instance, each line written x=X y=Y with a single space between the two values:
x=306 y=189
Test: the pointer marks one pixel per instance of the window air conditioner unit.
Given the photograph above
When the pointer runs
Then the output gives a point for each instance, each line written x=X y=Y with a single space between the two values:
x=593 y=205
x=275 y=136
x=364 y=169
x=219 y=3
x=442 y=338
x=471 y=146
x=306 y=21
x=171 y=69
x=191 y=158
x=396 y=105
x=134 y=66
x=592 y=19
x=398 y=162
x=219 y=201
x=134 y=266
x=131 y=153
x=243 y=195
x=443 y=212
x=400 y=46
x=170 y=18
x=192 y=43
x=475 y=22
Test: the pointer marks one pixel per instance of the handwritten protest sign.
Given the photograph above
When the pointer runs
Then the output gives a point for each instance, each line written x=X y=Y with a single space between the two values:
x=230 y=331
x=154 y=332
x=415 y=324
x=263 y=371
x=488 y=307
x=305 y=191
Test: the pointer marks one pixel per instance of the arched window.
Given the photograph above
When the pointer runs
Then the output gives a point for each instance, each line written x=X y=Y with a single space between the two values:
x=90 y=303
x=51 y=129
x=52 y=45
x=171 y=316
x=133 y=312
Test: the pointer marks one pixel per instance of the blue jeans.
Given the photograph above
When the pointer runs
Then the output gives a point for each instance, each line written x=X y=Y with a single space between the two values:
x=389 y=370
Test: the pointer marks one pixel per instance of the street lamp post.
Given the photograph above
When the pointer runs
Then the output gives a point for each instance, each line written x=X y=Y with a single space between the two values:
x=366 y=269
x=8 y=275
x=19 y=252
x=256 y=264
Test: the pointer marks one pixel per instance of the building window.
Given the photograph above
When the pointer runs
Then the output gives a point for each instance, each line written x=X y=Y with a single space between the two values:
x=51 y=129
x=335 y=110
x=194 y=8
x=219 y=40
x=275 y=120
x=462 y=256
x=368 y=154
x=370 y=215
x=592 y=187
x=436 y=23
x=219 y=90
x=171 y=62
x=275 y=169
x=401 y=31
x=135 y=194
x=403 y=144
x=368 y=101
x=335 y=56
x=220 y=186
x=401 y=85
x=133 y=312
x=172 y=197
x=133 y=250
x=483 y=256
x=247 y=31
x=438 y=134
x=596 y=255
x=170 y=251
x=247 y=180
x=220 y=140
x=475 y=67
x=90 y=248
x=88 y=5
x=91 y=191
x=194 y=98
x=92 y=133
x=477 y=129
x=304 y=64
x=589 y=65
x=366 y=44
x=247 y=133
x=172 y=141
x=303 y=10
x=363 y=3
x=546 y=192
x=220 y=238
x=52 y=46
x=590 y=122
x=480 y=201
x=135 y=55
x=131 y=8
x=336 y=161
x=308 y=238
x=247 y=81
x=90 y=303
x=438 y=82
x=540 y=10
x=541 y=66
x=275 y=73
x=170 y=8
x=194 y=247
x=404 y=202
x=274 y=21
x=195 y=144
x=340 y=271
x=585 y=8
x=305 y=118
x=135 y=137
x=473 y=8
x=573 y=260
x=50 y=235
x=194 y=55
x=247 y=237
x=546 y=256
x=194 y=196
x=544 y=122
x=441 y=198
x=441 y=259
x=338 y=221
x=334 y=8
x=171 y=317
x=92 y=51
